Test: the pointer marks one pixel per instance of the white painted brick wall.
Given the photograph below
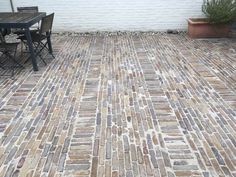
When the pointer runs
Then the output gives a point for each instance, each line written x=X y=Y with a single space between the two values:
x=114 y=15
x=5 y=6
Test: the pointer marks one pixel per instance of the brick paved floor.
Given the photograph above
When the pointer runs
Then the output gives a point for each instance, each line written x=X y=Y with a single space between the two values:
x=128 y=105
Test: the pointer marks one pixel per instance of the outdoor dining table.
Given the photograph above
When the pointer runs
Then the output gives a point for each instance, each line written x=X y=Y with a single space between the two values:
x=24 y=21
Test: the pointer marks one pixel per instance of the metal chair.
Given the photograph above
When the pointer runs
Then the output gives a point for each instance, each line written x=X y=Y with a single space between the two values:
x=8 y=54
x=5 y=31
x=30 y=9
x=39 y=39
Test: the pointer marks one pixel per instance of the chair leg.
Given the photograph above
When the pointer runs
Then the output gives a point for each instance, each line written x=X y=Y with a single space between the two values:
x=15 y=62
x=1 y=66
x=39 y=51
x=26 y=60
x=35 y=50
x=52 y=55
x=45 y=46
x=13 y=59
x=12 y=71
x=38 y=48
x=40 y=56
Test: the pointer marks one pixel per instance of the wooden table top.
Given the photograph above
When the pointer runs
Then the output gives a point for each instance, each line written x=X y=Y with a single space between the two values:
x=19 y=19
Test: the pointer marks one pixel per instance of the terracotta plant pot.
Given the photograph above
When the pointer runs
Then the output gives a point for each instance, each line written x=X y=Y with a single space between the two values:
x=201 y=28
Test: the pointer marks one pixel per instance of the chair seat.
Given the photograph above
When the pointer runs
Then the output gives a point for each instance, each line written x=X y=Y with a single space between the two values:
x=35 y=37
x=22 y=31
x=8 y=46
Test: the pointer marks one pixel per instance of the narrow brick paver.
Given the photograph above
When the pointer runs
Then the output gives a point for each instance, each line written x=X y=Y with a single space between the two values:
x=148 y=105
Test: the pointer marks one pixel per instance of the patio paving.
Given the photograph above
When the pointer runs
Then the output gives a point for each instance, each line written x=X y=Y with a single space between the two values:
x=123 y=105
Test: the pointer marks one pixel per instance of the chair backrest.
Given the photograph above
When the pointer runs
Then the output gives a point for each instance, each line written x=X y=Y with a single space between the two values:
x=46 y=24
x=2 y=40
x=3 y=32
x=31 y=9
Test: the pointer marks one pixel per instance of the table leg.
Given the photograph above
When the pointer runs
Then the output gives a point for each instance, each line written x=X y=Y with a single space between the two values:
x=31 y=49
x=49 y=43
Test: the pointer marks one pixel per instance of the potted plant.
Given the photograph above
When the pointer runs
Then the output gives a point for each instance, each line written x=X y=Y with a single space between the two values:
x=219 y=16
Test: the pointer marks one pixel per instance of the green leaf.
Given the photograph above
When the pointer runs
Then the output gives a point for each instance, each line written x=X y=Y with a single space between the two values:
x=220 y=11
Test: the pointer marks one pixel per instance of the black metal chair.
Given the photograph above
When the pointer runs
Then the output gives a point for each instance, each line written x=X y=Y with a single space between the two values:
x=8 y=53
x=30 y=9
x=5 y=31
x=39 y=39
